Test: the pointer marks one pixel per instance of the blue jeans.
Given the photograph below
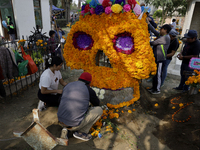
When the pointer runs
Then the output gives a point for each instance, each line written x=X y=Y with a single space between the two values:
x=182 y=85
x=164 y=70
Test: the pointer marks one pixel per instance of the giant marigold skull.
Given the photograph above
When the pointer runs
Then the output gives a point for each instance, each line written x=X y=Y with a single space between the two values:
x=125 y=41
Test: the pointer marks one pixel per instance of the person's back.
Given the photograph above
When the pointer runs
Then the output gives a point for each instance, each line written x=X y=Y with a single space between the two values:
x=74 y=103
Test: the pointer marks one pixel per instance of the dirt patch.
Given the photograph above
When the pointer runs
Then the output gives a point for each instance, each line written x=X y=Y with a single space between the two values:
x=144 y=129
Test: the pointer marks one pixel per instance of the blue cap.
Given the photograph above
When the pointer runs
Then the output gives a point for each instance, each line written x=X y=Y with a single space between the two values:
x=191 y=34
x=173 y=32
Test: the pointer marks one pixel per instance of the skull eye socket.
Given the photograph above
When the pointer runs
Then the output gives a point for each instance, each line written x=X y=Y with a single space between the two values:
x=124 y=43
x=82 y=41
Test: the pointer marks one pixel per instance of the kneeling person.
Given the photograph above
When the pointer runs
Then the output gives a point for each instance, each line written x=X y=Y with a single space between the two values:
x=74 y=108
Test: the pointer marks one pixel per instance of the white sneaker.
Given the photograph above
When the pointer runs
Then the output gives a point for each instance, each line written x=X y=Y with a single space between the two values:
x=41 y=106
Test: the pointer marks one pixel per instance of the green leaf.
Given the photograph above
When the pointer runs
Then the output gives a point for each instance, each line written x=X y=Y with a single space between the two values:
x=113 y=1
x=88 y=1
x=86 y=14
x=79 y=10
x=122 y=3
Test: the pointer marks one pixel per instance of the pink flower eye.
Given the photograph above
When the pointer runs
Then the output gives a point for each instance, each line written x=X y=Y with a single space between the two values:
x=124 y=43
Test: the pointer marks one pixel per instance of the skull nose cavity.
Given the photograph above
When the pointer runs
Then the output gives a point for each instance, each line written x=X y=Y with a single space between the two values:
x=102 y=59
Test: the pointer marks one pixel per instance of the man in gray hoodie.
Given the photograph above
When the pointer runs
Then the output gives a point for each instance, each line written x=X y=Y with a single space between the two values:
x=160 y=46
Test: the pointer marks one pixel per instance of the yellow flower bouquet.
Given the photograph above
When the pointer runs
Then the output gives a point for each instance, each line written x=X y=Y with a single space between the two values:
x=194 y=81
x=37 y=55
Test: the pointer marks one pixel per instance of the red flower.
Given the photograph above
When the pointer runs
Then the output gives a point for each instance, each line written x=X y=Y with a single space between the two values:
x=132 y=3
x=87 y=8
x=106 y=3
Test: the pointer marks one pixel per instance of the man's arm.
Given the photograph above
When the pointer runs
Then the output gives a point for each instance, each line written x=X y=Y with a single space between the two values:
x=181 y=57
x=153 y=30
x=63 y=33
x=174 y=46
x=151 y=20
x=94 y=100
x=171 y=54
x=62 y=82
x=160 y=41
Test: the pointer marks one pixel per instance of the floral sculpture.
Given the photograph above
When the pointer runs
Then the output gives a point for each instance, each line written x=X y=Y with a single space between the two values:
x=114 y=28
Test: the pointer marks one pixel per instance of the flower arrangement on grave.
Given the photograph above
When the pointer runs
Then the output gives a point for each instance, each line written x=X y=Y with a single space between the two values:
x=194 y=80
x=37 y=55
x=119 y=29
x=21 y=43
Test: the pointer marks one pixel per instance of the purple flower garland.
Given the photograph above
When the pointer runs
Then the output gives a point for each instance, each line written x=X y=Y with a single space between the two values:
x=82 y=41
x=124 y=43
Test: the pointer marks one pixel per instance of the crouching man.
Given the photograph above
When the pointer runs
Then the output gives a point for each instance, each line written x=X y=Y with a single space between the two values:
x=74 y=111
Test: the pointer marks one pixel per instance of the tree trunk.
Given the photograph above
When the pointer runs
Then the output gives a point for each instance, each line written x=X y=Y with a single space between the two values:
x=67 y=12
x=55 y=2
x=79 y=4
x=64 y=7
x=50 y=3
x=164 y=16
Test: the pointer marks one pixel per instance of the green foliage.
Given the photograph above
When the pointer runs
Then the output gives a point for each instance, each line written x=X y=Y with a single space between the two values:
x=73 y=6
x=157 y=13
x=169 y=7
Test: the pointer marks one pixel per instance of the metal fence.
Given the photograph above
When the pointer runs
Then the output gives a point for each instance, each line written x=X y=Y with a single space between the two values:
x=16 y=85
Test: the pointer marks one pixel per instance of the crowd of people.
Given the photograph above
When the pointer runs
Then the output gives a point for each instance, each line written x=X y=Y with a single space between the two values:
x=165 y=46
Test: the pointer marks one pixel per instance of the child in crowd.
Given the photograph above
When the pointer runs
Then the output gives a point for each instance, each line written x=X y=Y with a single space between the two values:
x=48 y=87
x=52 y=42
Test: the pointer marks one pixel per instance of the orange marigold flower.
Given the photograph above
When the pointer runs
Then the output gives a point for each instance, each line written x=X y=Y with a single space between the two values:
x=156 y=104
x=104 y=117
x=181 y=105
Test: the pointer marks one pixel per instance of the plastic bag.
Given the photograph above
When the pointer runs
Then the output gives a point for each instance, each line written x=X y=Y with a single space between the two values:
x=18 y=57
x=23 y=70
x=32 y=68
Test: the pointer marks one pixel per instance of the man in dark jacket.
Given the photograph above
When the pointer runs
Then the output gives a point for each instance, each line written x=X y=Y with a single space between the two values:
x=191 y=49
x=174 y=45
x=160 y=46
x=74 y=111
